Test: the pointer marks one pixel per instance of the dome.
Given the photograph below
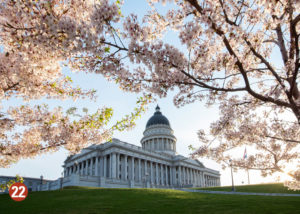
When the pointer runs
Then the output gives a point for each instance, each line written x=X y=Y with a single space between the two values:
x=157 y=118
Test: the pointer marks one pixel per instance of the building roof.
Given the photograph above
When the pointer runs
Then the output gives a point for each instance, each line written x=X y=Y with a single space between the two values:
x=157 y=118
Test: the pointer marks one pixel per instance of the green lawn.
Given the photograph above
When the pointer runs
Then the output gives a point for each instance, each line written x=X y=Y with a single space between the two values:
x=266 y=188
x=131 y=201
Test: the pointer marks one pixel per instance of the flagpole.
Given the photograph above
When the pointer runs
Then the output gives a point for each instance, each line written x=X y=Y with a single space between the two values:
x=248 y=176
x=245 y=157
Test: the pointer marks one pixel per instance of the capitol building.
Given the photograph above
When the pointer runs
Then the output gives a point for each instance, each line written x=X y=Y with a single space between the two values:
x=155 y=164
x=117 y=164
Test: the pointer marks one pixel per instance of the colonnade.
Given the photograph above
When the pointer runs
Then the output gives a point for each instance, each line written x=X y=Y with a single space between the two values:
x=125 y=167
x=211 y=181
x=159 y=144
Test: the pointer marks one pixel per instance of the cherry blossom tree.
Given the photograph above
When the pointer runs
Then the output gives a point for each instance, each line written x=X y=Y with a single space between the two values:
x=229 y=60
x=241 y=55
x=230 y=47
x=37 y=39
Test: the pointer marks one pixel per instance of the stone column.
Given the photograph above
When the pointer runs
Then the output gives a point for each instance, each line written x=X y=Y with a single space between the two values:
x=109 y=166
x=125 y=167
x=171 y=175
x=104 y=166
x=113 y=165
x=91 y=166
x=188 y=175
x=146 y=171
x=184 y=175
x=118 y=166
x=122 y=159
x=81 y=170
x=86 y=167
x=101 y=166
x=162 y=174
x=167 y=179
x=132 y=169
x=156 y=173
x=179 y=175
x=175 y=180
x=201 y=179
x=140 y=171
x=151 y=173
x=96 y=167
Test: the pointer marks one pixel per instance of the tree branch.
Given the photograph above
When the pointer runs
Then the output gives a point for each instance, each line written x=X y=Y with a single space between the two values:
x=282 y=139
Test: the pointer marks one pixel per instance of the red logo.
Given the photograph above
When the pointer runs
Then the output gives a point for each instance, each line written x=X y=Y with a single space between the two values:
x=18 y=191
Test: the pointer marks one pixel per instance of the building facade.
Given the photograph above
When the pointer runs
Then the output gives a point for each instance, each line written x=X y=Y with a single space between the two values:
x=155 y=164
x=33 y=184
x=118 y=164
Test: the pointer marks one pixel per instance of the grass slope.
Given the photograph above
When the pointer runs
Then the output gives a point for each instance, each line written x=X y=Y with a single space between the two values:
x=265 y=188
x=131 y=201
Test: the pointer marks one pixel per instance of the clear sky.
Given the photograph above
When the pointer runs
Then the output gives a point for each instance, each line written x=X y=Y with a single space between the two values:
x=185 y=121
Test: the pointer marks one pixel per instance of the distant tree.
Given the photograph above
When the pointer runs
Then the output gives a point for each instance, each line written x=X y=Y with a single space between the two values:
x=242 y=55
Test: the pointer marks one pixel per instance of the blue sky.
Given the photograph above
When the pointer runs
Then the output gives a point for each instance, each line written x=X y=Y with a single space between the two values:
x=185 y=121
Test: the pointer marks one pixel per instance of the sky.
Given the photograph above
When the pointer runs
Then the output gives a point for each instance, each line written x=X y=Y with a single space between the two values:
x=185 y=121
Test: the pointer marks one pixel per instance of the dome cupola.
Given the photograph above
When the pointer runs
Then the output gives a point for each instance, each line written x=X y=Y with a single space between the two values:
x=157 y=118
x=158 y=135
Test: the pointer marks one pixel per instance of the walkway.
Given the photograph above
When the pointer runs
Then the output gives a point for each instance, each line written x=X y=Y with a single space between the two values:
x=238 y=193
